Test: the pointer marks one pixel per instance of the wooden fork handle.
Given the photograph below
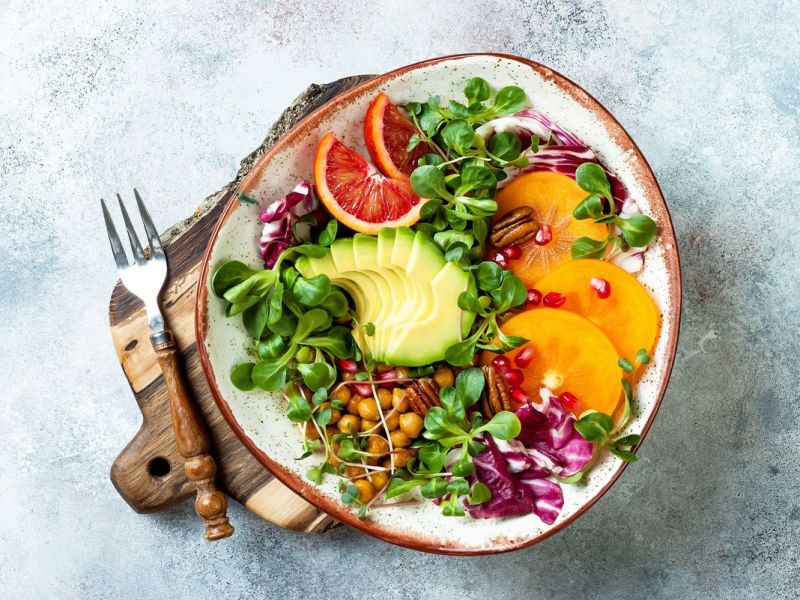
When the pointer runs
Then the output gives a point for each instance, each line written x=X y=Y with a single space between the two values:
x=192 y=441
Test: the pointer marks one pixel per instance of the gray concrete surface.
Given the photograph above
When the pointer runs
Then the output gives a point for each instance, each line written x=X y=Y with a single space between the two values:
x=101 y=96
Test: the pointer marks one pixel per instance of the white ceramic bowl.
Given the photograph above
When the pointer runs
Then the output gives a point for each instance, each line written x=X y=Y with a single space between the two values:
x=258 y=417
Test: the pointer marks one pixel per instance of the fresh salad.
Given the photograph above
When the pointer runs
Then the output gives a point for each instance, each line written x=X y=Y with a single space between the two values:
x=455 y=319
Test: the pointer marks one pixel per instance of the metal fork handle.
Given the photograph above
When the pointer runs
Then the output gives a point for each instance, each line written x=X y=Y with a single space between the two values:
x=192 y=440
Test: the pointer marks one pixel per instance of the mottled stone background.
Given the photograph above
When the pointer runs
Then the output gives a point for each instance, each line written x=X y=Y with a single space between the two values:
x=100 y=96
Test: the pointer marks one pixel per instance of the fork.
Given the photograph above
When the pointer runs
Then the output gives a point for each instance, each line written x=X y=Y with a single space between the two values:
x=145 y=278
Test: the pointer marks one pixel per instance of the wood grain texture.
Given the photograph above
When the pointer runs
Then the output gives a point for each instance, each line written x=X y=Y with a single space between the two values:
x=149 y=472
x=192 y=441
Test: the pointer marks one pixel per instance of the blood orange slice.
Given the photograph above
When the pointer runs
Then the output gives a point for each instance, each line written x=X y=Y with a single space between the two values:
x=357 y=195
x=387 y=131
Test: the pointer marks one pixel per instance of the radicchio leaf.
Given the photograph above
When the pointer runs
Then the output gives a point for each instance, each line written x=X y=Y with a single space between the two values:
x=514 y=494
x=554 y=445
x=284 y=224
x=517 y=471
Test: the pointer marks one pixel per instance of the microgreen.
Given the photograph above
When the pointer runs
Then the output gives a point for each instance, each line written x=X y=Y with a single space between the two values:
x=636 y=231
x=460 y=178
x=287 y=316
x=498 y=292
x=598 y=428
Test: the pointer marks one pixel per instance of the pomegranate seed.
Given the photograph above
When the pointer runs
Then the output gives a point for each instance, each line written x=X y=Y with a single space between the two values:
x=519 y=396
x=348 y=365
x=554 y=299
x=512 y=252
x=363 y=389
x=534 y=298
x=514 y=376
x=524 y=357
x=569 y=400
x=500 y=259
x=601 y=286
x=544 y=236
x=501 y=363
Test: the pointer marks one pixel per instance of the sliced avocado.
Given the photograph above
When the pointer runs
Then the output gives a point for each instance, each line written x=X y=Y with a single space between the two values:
x=365 y=252
x=345 y=262
x=402 y=240
x=444 y=323
x=409 y=292
x=401 y=283
x=422 y=260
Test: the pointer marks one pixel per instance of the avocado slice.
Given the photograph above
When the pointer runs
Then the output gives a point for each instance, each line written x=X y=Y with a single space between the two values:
x=409 y=292
x=444 y=322
x=401 y=282
x=390 y=286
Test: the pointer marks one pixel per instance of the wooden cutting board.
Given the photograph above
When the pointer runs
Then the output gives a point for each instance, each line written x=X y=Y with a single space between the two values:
x=148 y=473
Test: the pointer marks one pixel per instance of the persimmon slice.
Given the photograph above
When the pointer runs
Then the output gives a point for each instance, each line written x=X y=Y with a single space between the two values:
x=357 y=195
x=553 y=197
x=570 y=354
x=628 y=316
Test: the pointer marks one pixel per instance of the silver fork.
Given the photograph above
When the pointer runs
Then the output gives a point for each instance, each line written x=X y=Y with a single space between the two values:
x=145 y=278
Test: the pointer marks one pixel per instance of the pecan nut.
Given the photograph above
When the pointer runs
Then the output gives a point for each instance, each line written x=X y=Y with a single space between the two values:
x=423 y=394
x=514 y=227
x=496 y=394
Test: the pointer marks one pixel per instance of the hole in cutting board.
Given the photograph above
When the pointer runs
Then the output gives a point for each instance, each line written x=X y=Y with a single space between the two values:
x=158 y=467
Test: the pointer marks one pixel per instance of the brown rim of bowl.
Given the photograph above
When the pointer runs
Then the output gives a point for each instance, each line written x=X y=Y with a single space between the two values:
x=309 y=492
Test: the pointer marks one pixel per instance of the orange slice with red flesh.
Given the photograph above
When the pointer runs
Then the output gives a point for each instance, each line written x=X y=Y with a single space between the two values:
x=570 y=354
x=357 y=195
x=628 y=316
x=387 y=131
x=553 y=197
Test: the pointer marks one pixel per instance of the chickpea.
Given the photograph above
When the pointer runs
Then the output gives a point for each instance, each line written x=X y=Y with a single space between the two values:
x=365 y=490
x=335 y=412
x=399 y=400
x=310 y=431
x=392 y=420
x=352 y=405
x=385 y=398
x=399 y=439
x=343 y=394
x=444 y=376
x=379 y=479
x=350 y=471
x=411 y=424
x=401 y=458
x=349 y=424
x=366 y=424
x=377 y=445
x=401 y=372
x=368 y=409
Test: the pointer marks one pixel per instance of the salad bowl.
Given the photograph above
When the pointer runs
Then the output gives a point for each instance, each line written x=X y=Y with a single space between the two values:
x=258 y=418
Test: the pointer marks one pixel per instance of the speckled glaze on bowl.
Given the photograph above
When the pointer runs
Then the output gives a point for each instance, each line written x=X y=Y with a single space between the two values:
x=258 y=417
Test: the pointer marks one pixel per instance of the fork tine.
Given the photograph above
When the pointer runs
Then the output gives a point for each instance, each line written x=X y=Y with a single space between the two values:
x=135 y=245
x=116 y=246
x=152 y=232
